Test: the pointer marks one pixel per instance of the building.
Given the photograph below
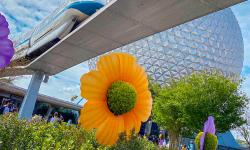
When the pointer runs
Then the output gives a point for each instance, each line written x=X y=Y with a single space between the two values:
x=45 y=105
x=211 y=42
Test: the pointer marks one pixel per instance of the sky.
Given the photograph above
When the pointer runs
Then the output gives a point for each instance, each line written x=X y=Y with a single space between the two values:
x=23 y=15
x=242 y=14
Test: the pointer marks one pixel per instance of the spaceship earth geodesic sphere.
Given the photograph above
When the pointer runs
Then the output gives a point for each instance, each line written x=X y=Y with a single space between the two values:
x=213 y=42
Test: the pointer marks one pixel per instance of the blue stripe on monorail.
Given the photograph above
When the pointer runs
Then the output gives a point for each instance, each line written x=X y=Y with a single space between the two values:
x=86 y=7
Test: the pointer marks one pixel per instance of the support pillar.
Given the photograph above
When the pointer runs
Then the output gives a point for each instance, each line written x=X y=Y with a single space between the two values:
x=30 y=98
x=148 y=128
x=49 y=112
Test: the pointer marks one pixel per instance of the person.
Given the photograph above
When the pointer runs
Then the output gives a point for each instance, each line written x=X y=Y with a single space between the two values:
x=3 y=102
x=69 y=122
x=2 y=106
x=6 y=108
x=162 y=142
x=191 y=145
x=11 y=106
x=61 y=119
x=14 y=108
x=184 y=147
x=55 y=117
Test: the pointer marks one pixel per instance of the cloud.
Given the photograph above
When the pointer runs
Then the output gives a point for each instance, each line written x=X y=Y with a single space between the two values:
x=62 y=86
x=25 y=14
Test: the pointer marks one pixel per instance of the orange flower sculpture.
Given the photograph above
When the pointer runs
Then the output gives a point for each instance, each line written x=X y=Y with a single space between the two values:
x=117 y=95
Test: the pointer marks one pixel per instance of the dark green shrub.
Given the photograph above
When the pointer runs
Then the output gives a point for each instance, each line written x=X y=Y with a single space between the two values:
x=134 y=143
x=37 y=134
x=210 y=143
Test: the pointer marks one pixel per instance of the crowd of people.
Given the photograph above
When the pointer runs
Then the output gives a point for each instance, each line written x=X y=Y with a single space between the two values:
x=7 y=106
x=56 y=118
x=162 y=142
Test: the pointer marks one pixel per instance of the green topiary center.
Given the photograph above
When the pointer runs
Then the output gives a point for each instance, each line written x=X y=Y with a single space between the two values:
x=121 y=97
x=210 y=142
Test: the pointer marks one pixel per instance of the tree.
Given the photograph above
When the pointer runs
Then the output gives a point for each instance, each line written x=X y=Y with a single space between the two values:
x=154 y=88
x=184 y=105
x=244 y=130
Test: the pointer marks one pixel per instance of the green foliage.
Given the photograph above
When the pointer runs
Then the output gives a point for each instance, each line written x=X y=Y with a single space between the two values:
x=154 y=88
x=134 y=143
x=184 y=105
x=121 y=97
x=210 y=142
x=37 y=134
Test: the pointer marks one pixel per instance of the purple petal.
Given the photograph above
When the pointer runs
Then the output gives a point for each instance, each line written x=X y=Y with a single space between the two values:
x=5 y=24
x=6 y=48
x=4 y=32
x=202 y=139
x=3 y=62
x=7 y=52
x=209 y=127
x=4 y=42
x=6 y=45
x=2 y=20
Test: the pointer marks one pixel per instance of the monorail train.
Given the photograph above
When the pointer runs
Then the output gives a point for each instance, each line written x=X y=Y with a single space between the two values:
x=53 y=29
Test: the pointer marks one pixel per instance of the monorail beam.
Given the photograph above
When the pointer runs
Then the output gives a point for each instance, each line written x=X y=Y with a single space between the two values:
x=119 y=23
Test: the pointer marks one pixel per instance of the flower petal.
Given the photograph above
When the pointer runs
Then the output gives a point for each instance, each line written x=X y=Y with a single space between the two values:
x=103 y=131
x=94 y=86
x=137 y=123
x=118 y=128
x=140 y=81
x=143 y=106
x=131 y=122
x=108 y=65
x=127 y=63
x=144 y=98
x=93 y=114
x=108 y=133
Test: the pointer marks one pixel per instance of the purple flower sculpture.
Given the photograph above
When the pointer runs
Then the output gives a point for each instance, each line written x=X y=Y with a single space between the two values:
x=209 y=127
x=6 y=45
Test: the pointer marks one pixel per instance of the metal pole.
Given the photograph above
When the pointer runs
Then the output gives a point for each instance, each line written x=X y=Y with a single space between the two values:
x=49 y=112
x=30 y=98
